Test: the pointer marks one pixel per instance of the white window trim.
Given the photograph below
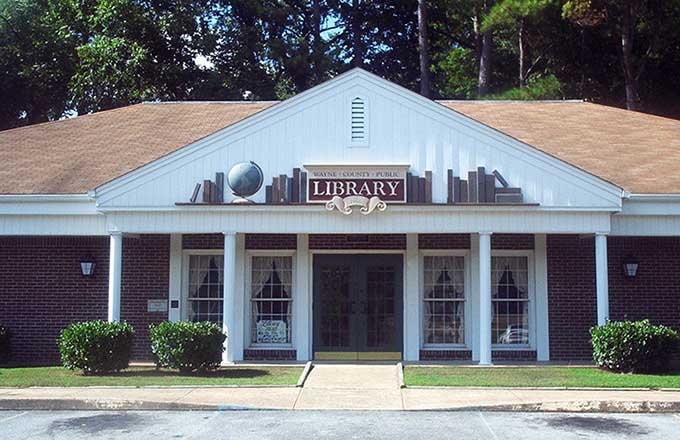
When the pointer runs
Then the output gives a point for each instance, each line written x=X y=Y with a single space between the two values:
x=184 y=301
x=531 y=285
x=248 y=318
x=468 y=300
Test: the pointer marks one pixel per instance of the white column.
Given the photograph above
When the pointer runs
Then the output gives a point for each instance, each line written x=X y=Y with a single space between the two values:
x=473 y=295
x=228 y=319
x=302 y=300
x=541 y=285
x=601 y=278
x=115 y=271
x=485 y=298
x=241 y=299
x=412 y=299
x=175 y=278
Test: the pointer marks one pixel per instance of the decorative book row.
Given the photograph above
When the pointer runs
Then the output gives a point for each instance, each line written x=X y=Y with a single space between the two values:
x=478 y=188
x=419 y=189
x=481 y=188
x=213 y=192
x=285 y=190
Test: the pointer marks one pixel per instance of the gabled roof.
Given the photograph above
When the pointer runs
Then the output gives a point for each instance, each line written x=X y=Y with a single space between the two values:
x=74 y=156
x=638 y=152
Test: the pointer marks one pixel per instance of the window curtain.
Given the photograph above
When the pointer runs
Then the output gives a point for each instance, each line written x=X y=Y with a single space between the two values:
x=284 y=268
x=498 y=267
x=521 y=276
x=200 y=266
x=261 y=271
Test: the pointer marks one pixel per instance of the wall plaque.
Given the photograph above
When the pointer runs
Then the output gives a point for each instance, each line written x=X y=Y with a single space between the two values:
x=157 y=305
x=386 y=182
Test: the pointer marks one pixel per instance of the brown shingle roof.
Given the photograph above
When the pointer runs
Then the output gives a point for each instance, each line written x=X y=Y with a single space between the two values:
x=73 y=156
x=638 y=152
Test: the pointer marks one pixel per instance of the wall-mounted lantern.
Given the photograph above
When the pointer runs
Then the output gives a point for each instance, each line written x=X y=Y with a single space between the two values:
x=87 y=267
x=630 y=267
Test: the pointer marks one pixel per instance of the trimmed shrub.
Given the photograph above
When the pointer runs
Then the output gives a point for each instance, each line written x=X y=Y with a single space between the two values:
x=633 y=346
x=96 y=347
x=5 y=346
x=187 y=346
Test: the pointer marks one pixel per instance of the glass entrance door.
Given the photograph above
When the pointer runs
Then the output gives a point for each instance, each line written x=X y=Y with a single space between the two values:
x=358 y=307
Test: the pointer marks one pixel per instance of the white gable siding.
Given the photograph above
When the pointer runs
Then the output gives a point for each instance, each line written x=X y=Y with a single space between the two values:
x=404 y=129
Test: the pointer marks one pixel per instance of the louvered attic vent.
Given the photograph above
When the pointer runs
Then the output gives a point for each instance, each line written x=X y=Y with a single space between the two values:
x=358 y=122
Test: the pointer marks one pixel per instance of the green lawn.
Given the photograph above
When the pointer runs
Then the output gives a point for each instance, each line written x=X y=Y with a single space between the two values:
x=148 y=376
x=534 y=377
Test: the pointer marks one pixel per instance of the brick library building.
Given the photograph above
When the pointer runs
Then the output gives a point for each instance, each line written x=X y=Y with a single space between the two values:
x=354 y=221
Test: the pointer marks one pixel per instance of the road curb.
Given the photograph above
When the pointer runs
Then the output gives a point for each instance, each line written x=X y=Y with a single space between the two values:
x=591 y=407
x=619 y=407
x=305 y=373
x=400 y=375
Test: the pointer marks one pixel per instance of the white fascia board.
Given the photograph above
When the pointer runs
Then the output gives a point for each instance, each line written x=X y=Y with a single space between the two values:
x=651 y=204
x=597 y=186
x=403 y=207
x=48 y=204
x=44 y=197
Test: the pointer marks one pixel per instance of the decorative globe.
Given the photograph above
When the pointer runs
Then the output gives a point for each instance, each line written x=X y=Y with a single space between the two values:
x=245 y=179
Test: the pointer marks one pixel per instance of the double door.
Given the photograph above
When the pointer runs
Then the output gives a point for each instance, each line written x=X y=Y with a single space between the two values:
x=358 y=303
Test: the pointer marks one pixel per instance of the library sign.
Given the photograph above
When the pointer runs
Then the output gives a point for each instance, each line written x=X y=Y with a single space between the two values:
x=369 y=187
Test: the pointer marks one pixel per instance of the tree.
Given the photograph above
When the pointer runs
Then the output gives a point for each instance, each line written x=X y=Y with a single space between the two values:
x=516 y=13
x=634 y=22
x=485 y=50
x=110 y=74
x=36 y=64
x=423 y=50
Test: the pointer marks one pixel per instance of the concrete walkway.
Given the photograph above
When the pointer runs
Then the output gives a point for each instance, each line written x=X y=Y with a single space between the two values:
x=335 y=387
x=331 y=386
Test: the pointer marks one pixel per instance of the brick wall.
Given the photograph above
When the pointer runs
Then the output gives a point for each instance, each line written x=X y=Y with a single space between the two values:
x=271 y=241
x=444 y=241
x=43 y=290
x=203 y=241
x=571 y=296
x=655 y=292
x=357 y=241
x=252 y=241
x=269 y=355
x=512 y=241
x=445 y=355
x=145 y=276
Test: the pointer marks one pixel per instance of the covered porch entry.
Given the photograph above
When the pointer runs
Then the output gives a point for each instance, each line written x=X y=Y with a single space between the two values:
x=357 y=306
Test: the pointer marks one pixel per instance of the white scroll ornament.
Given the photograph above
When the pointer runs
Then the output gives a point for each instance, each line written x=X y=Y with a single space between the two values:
x=366 y=205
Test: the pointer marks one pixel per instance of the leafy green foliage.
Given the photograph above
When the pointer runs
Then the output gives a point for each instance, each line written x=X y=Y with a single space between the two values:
x=509 y=12
x=633 y=346
x=110 y=74
x=61 y=57
x=5 y=346
x=457 y=70
x=539 y=87
x=187 y=346
x=96 y=347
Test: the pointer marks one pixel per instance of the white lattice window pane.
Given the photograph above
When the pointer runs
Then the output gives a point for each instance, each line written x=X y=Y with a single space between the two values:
x=444 y=299
x=271 y=299
x=205 y=288
x=510 y=299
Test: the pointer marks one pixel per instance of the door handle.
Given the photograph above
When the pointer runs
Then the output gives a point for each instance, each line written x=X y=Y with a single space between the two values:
x=364 y=307
x=351 y=308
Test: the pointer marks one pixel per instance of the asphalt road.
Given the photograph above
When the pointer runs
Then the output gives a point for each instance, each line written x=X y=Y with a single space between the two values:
x=243 y=425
